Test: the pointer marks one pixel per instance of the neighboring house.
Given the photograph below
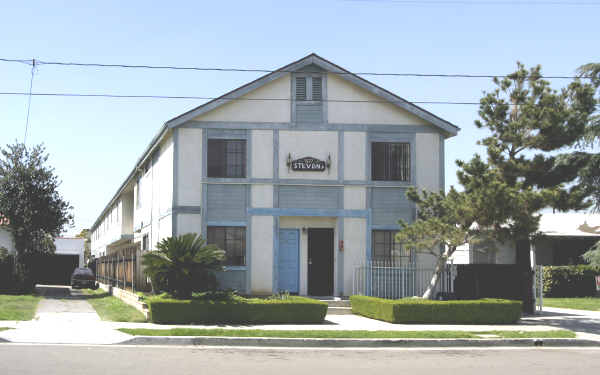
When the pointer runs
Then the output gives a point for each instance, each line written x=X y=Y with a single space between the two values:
x=565 y=237
x=298 y=189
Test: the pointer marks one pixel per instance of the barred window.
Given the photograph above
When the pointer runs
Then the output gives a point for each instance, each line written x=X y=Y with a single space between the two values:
x=390 y=161
x=232 y=240
x=226 y=158
x=385 y=248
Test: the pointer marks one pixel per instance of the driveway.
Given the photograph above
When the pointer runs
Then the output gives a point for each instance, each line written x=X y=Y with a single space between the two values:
x=63 y=316
x=585 y=323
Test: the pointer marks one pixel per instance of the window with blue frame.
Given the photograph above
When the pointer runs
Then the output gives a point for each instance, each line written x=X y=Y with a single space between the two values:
x=226 y=158
x=230 y=239
x=390 y=161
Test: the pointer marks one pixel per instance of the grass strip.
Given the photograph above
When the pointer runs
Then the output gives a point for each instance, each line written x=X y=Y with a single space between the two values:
x=334 y=334
x=18 y=307
x=111 y=308
x=578 y=303
x=4 y=329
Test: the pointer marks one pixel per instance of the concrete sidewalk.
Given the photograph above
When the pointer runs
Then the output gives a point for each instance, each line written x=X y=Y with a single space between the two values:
x=62 y=317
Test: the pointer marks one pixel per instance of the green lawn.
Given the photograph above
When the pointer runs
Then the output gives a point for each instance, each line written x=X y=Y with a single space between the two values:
x=581 y=303
x=4 y=329
x=344 y=334
x=111 y=308
x=18 y=307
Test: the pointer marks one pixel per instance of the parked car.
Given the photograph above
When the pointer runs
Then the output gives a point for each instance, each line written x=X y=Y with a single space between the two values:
x=83 y=278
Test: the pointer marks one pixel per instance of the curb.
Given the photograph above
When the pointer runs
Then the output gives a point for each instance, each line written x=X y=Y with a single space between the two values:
x=353 y=343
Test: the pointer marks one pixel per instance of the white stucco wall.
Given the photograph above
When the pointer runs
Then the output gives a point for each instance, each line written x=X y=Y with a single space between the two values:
x=262 y=196
x=189 y=167
x=355 y=156
x=70 y=246
x=355 y=245
x=261 y=279
x=262 y=153
x=6 y=240
x=428 y=161
x=374 y=112
x=318 y=144
x=257 y=110
x=189 y=223
x=355 y=197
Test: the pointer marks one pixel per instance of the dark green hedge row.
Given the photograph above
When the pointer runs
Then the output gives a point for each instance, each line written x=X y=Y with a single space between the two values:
x=237 y=310
x=570 y=281
x=416 y=310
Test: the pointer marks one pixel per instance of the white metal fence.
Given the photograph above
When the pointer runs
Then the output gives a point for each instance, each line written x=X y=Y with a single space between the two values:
x=388 y=280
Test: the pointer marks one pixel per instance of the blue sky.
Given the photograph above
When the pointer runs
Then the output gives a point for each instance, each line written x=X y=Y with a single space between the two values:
x=94 y=142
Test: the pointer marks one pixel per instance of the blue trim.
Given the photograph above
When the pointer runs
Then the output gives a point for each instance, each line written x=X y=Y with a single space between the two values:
x=307 y=212
x=227 y=223
x=442 y=157
x=204 y=187
x=275 y=275
x=385 y=227
x=175 y=197
x=275 y=168
x=227 y=133
x=340 y=258
x=249 y=160
x=340 y=160
x=248 y=254
x=380 y=128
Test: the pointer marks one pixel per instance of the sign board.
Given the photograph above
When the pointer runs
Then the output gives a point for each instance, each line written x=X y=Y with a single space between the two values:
x=308 y=164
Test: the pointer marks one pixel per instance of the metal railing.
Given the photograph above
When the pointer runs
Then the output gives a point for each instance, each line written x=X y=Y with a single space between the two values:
x=388 y=279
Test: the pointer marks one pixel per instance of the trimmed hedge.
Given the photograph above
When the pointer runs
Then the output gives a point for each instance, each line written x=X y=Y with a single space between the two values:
x=570 y=281
x=416 y=310
x=236 y=310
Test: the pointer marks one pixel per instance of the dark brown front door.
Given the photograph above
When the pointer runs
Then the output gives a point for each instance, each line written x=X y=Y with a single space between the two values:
x=320 y=262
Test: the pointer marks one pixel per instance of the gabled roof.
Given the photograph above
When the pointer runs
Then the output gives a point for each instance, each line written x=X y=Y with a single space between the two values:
x=448 y=128
x=328 y=66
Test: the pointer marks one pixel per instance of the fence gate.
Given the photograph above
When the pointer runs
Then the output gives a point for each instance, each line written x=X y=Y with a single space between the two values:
x=123 y=269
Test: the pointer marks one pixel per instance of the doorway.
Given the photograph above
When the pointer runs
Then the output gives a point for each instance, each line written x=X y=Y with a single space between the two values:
x=320 y=262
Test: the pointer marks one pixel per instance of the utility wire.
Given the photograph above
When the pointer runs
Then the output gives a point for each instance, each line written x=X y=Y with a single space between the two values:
x=120 y=96
x=29 y=100
x=252 y=70
x=464 y=2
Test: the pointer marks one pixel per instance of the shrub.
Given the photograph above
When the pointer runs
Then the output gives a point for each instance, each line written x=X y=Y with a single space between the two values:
x=416 y=310
x=570 y=281
x=183 y=264
x=8 y=282
x=236 y=310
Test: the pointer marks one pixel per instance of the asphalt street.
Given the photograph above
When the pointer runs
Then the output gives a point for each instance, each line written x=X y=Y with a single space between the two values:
x=16 y=359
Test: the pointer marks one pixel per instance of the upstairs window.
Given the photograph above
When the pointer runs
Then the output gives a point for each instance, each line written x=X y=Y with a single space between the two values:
x=232 y=240
x=226 y=158
x=309 y=88
x=390 y=161
x=386 y=249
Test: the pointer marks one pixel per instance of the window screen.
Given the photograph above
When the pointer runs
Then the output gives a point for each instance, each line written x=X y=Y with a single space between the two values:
x=386 y=249
x=232 y=240
x=390 y=161
x=226 y=158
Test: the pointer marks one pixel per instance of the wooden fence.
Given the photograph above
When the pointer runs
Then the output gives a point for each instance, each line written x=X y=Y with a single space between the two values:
x=123 y=269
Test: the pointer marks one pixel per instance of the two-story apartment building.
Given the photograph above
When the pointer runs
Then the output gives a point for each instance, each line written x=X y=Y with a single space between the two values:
x=299 y=176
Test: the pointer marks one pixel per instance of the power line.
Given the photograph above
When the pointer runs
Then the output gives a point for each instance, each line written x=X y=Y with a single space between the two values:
x=253 y=70
x=464 y=2
x=123 y=96
x=29 y=100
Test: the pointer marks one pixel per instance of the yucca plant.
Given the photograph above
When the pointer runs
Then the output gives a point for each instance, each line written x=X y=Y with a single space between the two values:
x=182 y=265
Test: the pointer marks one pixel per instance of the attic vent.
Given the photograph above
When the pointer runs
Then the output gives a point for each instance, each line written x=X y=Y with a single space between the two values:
x=300 y=88
x=316 y=88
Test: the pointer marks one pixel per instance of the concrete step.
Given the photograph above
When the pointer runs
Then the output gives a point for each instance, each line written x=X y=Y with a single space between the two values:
x=337 y=302
x=339 y=310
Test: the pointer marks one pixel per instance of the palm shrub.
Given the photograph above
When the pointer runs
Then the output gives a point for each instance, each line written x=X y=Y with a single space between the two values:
x=182 y=265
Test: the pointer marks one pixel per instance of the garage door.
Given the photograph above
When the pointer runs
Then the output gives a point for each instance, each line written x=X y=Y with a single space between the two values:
x=56 y=269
